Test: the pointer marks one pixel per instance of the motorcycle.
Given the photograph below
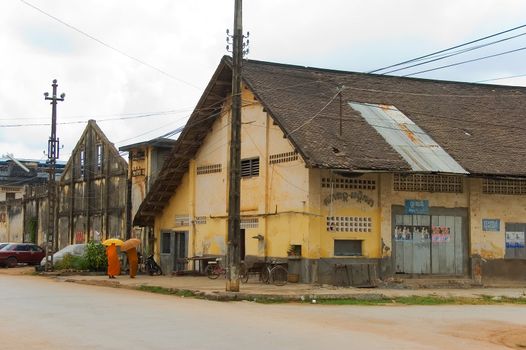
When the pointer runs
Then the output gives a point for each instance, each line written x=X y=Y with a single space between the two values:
x=151 y=267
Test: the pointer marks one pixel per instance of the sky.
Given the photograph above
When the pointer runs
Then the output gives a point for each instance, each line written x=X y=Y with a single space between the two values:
x=141 y=66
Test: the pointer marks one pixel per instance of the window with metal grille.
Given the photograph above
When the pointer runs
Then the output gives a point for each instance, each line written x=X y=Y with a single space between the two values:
x=250 y=167
x=349 y=224
x=283 y=157
x=503 y=186
x=82 y=158
x=249 y=223
x=182 y=220
x=428 y=183
x=209 y=169
x=100 y=156
x=347 y=247
x=165 y=243
x=359 y=184
x=200 y=220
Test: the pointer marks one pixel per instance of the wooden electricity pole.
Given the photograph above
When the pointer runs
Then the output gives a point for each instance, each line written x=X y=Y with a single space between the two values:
x=233 y=251
x=52 y=156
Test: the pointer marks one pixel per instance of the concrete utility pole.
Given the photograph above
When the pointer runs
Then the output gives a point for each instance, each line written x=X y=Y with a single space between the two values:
x=234 y=232
x=52 y=156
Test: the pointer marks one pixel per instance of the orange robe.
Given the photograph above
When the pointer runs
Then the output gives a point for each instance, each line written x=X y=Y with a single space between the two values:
x=114 y=266
x=133 y=261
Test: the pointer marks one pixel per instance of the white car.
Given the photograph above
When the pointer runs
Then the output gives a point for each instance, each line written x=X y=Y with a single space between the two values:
x=73 y=249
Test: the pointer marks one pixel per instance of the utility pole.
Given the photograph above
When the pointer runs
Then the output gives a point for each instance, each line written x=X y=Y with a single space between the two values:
x=234 y=232
x=52 y=156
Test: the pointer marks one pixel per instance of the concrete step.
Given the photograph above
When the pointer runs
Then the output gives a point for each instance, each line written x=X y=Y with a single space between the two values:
x=427 y=282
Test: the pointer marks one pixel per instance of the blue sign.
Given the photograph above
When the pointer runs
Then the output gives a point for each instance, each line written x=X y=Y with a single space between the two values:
x=490 y=225
x=416 y=207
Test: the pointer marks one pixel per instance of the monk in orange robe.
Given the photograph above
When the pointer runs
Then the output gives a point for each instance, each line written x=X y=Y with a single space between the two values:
x=114 y=266
x=133 y=261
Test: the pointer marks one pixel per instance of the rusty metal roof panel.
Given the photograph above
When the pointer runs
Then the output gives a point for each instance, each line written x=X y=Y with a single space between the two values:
x=413 y=144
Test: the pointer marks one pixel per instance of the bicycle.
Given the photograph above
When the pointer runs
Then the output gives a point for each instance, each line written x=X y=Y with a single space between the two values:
x=274 y=272
x=214 y=269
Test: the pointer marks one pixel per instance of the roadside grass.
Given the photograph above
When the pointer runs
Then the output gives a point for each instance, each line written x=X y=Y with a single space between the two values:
x=167 y=291
x=424 y=300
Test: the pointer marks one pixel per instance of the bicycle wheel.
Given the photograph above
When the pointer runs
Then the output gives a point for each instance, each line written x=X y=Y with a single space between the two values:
x=279 y=275
x=265 y=274
x=243 y=273
x=212 y=272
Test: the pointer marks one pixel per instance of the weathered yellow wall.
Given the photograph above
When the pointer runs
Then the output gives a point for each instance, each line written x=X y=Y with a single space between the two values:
x=278 y=197
x=356 y=202
x=506 y=208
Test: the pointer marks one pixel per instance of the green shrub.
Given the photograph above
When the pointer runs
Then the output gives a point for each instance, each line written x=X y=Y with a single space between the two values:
x=95 y=257
x=72 y=262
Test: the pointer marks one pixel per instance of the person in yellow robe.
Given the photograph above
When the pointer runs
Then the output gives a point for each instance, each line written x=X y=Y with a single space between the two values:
x=133 y=261
x=114 y=266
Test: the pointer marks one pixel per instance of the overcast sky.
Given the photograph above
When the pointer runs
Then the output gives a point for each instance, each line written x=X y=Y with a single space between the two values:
x=186 y=40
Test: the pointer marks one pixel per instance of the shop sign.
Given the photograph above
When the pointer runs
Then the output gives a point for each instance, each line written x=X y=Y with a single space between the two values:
x=490 y=225
x=416 y=207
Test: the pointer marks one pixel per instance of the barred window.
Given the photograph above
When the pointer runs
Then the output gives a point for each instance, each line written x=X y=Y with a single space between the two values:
x=283 y=157
x=209 y=169
x=428 y=183
x=347 y=247
x=349 y=224
x=249 y=223
x=359 y=184
x=250 y=167
x=182 y=220
x=503 y=186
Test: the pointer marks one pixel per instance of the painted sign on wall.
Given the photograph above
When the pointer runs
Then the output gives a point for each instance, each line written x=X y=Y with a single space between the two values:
x=358 y=196
x=416 y=207
x=490 y=225
x=515 y=240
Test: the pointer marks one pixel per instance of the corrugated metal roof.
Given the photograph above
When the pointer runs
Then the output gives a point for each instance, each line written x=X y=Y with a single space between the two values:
x=417 y=148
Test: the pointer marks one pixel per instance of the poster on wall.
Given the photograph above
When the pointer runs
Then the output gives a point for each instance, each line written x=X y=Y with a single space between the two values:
x=440 y=234
x=515 y=240
x=409 y=233
x=491 y=225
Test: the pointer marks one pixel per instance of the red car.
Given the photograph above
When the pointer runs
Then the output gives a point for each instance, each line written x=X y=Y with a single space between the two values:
x=15 y=253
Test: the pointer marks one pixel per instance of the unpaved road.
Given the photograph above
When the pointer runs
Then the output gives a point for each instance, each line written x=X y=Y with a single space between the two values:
x=38 y=313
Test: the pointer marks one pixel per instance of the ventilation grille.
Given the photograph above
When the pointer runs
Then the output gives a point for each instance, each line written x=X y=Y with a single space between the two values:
x=428 y=183
x=209 y=169
x=504 y=186
x=182 y=220
x=283 y=157
x=349 y=224
x=249 y=223
x=358 y=184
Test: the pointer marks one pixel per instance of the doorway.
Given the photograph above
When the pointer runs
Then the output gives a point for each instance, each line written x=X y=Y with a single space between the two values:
x=430 y=244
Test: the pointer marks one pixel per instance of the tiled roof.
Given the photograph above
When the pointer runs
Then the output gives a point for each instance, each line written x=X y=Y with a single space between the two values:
x=480 y=126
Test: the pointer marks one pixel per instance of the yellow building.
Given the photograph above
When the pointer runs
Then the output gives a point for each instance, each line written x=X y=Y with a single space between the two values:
x=349 y=176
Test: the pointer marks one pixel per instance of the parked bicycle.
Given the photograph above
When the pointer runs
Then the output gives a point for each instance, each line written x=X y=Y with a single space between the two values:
x=151 y=267
x=214 y=269
x=274 y=272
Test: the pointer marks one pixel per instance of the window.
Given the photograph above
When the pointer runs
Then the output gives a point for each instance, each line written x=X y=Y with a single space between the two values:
x=250 y=167
x=22 y=248
x=82 y=158
x=10 y=195
x=208 y=169
x=165 y=243
x=347 y=247
x=100 y=155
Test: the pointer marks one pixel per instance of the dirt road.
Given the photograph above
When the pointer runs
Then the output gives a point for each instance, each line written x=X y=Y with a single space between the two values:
x=38 y=313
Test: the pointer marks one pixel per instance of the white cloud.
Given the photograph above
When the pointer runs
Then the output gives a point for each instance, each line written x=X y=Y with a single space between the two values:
x=186 y=39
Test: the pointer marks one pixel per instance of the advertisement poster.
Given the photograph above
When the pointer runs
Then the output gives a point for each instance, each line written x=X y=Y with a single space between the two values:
x=440 y=234
x=514 y=239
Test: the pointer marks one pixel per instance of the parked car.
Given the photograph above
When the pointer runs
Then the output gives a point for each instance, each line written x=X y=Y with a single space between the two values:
x=73 y=249
x=15 y=253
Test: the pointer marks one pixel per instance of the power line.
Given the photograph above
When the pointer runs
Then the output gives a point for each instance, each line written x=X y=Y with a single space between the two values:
x=501 y=78
x=109 y=46
x=443 y=57
x=464 y=62
x=448 y=49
